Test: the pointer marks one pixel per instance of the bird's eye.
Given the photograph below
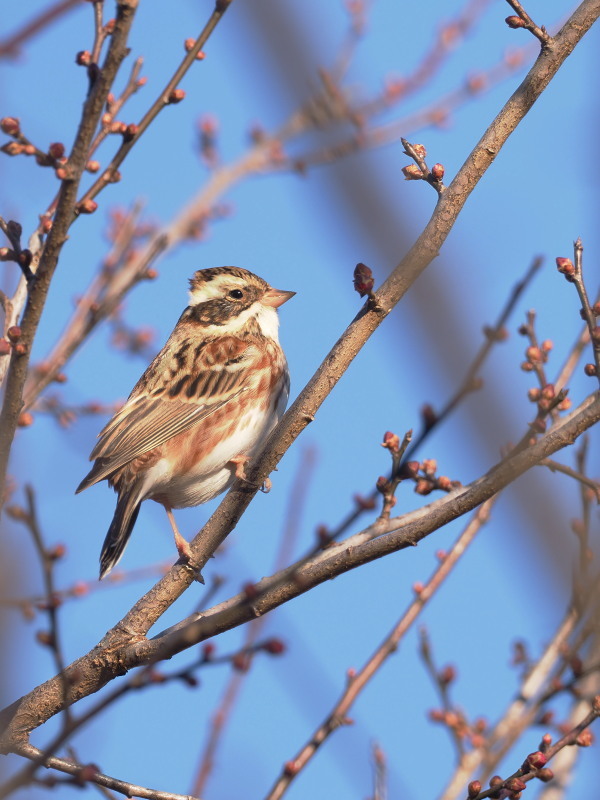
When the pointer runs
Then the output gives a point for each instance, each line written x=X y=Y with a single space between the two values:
x=236 y=294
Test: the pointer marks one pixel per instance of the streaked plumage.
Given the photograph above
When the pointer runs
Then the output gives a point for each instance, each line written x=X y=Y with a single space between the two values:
x=204 y=405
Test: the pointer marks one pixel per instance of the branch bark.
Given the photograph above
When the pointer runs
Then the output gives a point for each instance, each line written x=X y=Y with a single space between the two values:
x=118 y=651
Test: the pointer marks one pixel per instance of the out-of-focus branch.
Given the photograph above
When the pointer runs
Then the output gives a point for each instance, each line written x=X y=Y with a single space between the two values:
x=356 y=682
x=11 y=45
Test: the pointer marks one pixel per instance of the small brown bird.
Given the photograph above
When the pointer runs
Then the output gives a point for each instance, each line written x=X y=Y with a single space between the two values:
x=201 y=409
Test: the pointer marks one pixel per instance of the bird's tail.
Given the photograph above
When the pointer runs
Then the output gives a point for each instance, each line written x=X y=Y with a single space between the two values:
x=126 y=513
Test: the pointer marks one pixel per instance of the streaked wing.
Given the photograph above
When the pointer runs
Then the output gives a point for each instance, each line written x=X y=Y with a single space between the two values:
x=174 y=399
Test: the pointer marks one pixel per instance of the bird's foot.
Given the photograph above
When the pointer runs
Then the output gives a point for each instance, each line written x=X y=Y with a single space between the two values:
x=240 y=467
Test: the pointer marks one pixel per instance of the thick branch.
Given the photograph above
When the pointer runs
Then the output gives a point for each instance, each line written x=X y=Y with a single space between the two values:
x=91 y=672
x=67 y=198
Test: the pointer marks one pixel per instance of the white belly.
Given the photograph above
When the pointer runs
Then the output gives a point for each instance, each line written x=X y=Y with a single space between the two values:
x=214 y=473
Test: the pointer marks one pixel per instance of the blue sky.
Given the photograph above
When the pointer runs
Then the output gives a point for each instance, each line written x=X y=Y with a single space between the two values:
x=306 y=233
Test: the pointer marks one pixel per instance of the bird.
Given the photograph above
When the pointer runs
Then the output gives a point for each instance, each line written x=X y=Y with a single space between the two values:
x=201 y=410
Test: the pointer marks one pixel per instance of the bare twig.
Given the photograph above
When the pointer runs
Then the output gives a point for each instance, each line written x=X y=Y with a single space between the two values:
x=357 y=681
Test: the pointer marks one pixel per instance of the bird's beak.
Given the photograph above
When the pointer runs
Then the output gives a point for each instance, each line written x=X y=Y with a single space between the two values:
x=276 y=297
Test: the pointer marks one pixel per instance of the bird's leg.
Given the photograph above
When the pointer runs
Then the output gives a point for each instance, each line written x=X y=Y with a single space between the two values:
x=240 y=473
x=182 y=545
x=240 y=467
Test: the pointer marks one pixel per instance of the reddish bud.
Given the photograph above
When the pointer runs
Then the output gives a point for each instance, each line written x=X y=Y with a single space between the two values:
x=585 y=738
x=14 y=333
x=46 y=225
x=412 y=173
x=441 y=555
x=274 y=646
x=514 y=22
x=473 y=789
x=565 y=404
x=83 y=58
x=391 y=441
x=86 y=773
x=534 y=394
x=176 y=96
x=444 y=483
x=57 y=552
x=383 y=485
x=545 y=775
x=548 y=392
x=56 y=150
x=61 y=173
x=429 y=466
x=534 y=354
x=411 y=469
x=515 y=785
x=241 y=662
x=418 y=587
x=364 y=503
x=291 y=768
x=566 y=267
x=208 y=650
x=447 y=675
x=420 y=150
x=527 y=366
x=188 y=44
x=428 y=416
x=437 y=172
x=590 y=370
x=4 y=347
x=423 y=487
x=25 y=420
x=12 y=149
x=363 y=279
x=151 y=274
x=250 y=590
x=87 y=206
x=130 y=132
x=44 y=638
x=536 y=760
x=10 y=126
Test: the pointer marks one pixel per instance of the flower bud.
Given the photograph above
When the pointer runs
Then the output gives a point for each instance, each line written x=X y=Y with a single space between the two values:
x=473 y=789
x=536 y=760
x=274 y=646
x=590 y=370
x=545 y=775
x=56 y=150
x=83 y=58
x=391 y=442
x=176 y=96
x=437 y=172
x=363 y=279
x=412 y=173
x=87 y=206
x=10 y=126
x=14 y=333
x=566 y=267
x=514 y=22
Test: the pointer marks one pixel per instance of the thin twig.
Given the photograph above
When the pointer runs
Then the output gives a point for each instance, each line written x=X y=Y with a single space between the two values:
x=356 y=682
